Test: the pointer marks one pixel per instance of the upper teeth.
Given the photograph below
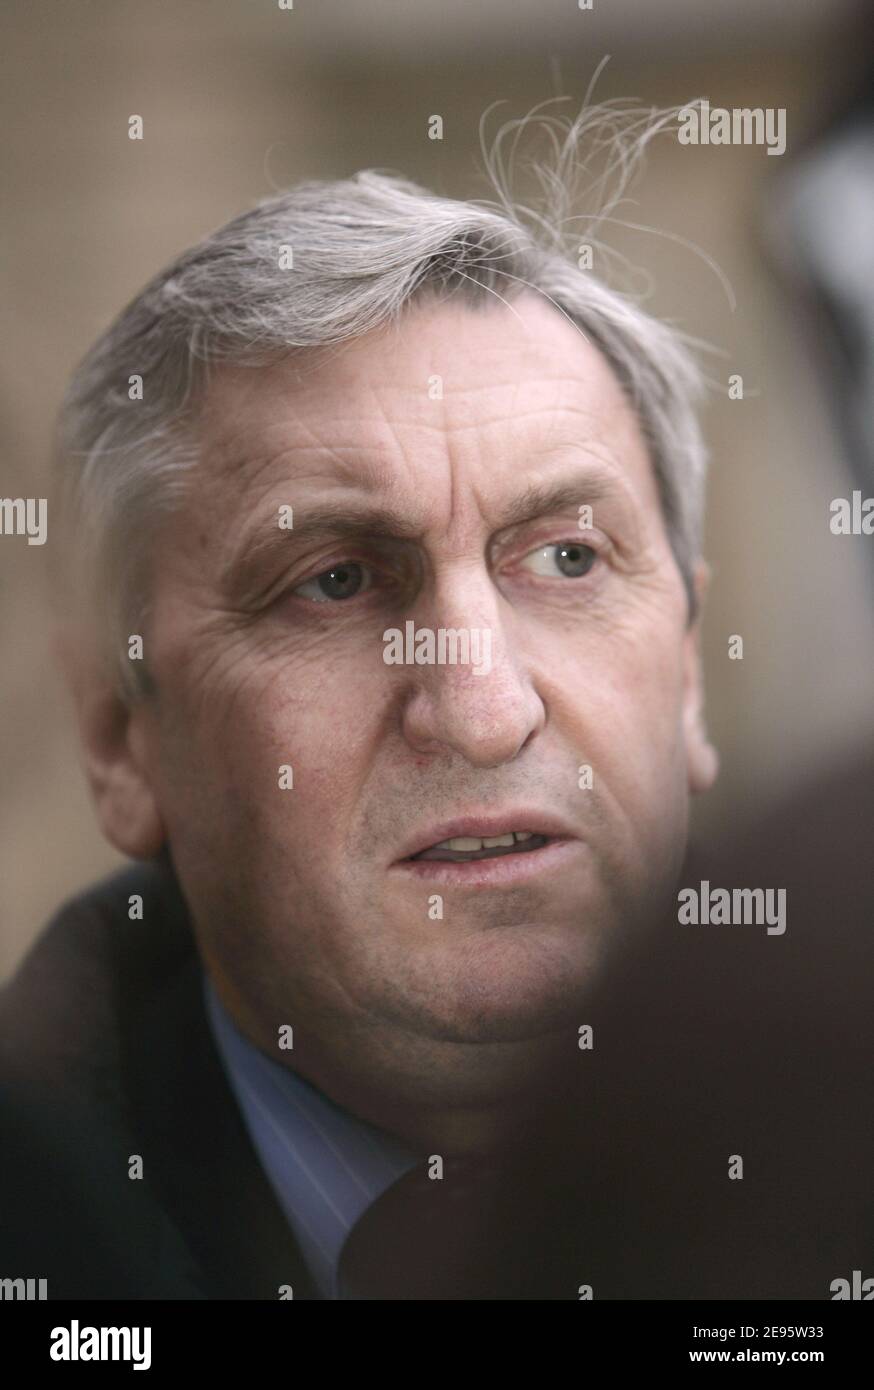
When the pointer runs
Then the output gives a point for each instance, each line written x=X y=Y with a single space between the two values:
x=474 y=842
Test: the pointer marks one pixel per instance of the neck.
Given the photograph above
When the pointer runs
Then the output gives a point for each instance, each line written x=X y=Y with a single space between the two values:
x=464 y=1099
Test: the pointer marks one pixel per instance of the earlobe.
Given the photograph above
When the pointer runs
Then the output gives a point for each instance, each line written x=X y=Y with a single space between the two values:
x=702 y=759
x=115 y=762
x=124 y=800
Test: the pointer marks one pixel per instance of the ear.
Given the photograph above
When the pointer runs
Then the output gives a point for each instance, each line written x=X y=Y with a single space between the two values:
x=111 y=733
x=702 y=759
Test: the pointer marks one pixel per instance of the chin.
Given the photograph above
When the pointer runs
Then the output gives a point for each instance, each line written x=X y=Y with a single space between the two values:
x=525 y=987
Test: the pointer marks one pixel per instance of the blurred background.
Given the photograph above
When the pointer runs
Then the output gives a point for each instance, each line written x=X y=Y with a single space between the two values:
x=240 y=98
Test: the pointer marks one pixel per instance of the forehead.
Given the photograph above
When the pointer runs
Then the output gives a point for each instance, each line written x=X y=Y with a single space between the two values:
x=445 y=376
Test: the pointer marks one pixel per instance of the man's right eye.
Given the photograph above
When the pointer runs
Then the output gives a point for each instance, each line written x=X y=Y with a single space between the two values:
x=341 y=581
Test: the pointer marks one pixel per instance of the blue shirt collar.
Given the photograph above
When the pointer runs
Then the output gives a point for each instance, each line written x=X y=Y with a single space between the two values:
x=326 y=1166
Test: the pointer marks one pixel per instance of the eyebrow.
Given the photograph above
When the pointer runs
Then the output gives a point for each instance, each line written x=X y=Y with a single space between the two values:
x=325 y=521
x=539 y=499
x=339 y=521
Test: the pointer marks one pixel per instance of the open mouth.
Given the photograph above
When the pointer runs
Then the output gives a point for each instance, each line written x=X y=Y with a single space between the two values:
x=471 y=847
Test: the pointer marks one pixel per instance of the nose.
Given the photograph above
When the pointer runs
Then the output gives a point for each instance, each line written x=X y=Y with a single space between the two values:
x=487 y=709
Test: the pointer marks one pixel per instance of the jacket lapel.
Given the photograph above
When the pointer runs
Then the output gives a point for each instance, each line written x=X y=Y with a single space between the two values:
x=196 y=1148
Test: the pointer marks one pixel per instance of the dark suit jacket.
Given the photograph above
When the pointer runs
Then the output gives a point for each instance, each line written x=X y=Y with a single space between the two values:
x=105 y=1052
x=709 y=1042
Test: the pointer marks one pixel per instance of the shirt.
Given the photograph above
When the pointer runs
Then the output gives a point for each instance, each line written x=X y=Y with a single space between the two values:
x=326 y=1166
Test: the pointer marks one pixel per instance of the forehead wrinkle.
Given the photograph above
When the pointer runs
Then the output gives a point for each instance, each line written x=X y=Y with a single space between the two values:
x=365 y=467
x=305 y=406
x=444 y=426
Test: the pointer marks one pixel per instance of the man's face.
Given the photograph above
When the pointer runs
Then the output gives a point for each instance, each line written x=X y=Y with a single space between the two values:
x=266 y=646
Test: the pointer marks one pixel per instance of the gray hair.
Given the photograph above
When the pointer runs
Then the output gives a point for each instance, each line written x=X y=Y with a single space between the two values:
x=363 y=248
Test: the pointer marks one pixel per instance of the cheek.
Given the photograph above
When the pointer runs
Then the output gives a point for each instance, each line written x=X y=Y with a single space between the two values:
x=309 y=725
x=624 y=702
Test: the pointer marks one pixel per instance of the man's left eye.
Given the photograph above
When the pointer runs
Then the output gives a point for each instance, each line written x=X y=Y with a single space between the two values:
x=573 y=559
x=342 y=581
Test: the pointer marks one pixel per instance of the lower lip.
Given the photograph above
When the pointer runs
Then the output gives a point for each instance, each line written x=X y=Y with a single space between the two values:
x=490 y=873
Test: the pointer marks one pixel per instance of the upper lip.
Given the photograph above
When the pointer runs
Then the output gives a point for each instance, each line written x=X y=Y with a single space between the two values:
x=495 y=823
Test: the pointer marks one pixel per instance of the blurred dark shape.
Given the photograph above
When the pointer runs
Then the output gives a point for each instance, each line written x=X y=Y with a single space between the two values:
x=709 y=1042
x=820 y=228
